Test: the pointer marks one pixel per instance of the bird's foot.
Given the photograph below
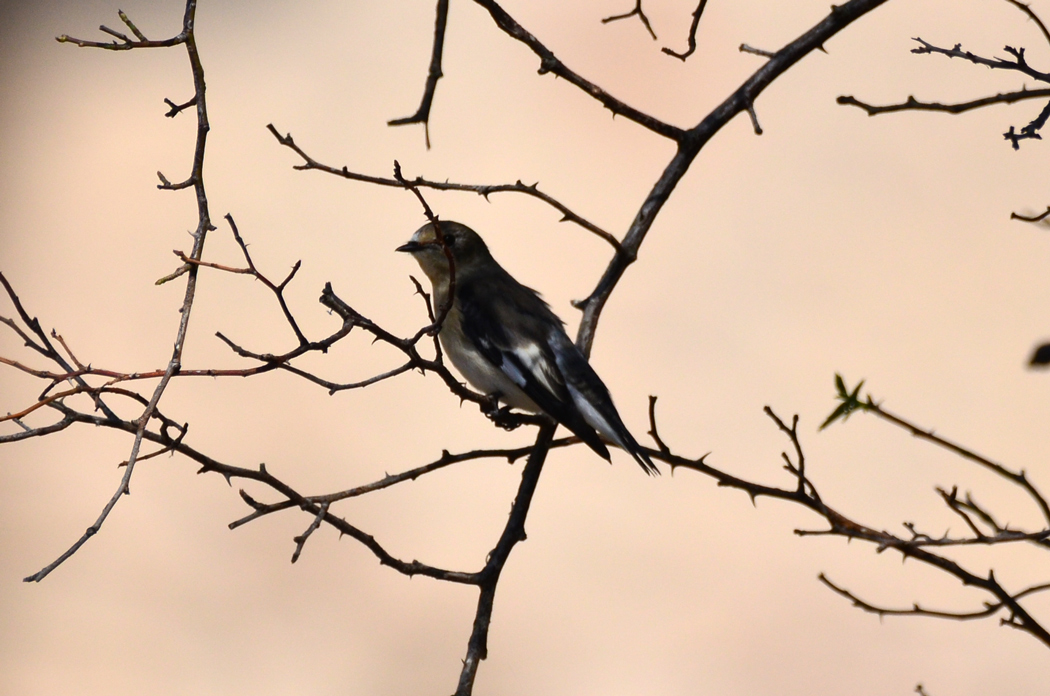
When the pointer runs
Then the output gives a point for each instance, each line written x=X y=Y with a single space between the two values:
x=501 y=416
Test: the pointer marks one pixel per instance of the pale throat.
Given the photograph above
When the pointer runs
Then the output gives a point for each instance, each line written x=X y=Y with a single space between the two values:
x=440 y=284
x=437 y=272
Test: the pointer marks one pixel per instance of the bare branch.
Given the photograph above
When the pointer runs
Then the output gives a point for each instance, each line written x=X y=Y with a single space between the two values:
x=851 y=401
x=126 y=44
x=514 y=532
x=1031 y=131
x=187 y=38
x=694 y=140
x=292 y=498
x=744 y=48
x=916 y=547
x=434 y=74
x=653 y=432
x=277 y=290
x=798 y=469
x=177 y=109
x=754 y=119
x=549 y=63
x=1036 y=218
x=446 y=459
x=131 y=25
x=912 y=104
x=697 y=14
x=27 y=433
x=1017 y=477
x=1027 y=9
x=485 y=190
x=1018 y=64
x=915 y=610
x=637 y=11
x=300 y=541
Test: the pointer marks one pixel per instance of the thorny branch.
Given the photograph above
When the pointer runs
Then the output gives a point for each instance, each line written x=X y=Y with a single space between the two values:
x=484 y=190
x=186 y=38
x=916 y=547
x=692 y=141
x=549 y=63
x=689 y=142
x=1040 y=355
x=913 y=104
x=804 y=492
x=1018 y=63
x=991 y=608
x=851 y=401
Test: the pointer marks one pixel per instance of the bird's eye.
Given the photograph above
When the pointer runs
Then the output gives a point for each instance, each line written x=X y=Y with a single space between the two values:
x=450 y=239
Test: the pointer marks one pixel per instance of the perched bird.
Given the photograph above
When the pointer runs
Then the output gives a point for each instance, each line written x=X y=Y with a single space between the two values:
x=509 y=344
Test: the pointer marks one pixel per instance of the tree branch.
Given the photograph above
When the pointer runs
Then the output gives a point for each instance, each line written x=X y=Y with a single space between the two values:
x=697 y=14
x=187 y=38
x=912 y=104
x=636 y=12
x=549 y=63
x=434 y=74
x=514 y=532
x=694 y=140
x=485 y=190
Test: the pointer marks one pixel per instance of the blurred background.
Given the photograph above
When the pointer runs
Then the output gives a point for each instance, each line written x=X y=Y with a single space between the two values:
x=880 y=248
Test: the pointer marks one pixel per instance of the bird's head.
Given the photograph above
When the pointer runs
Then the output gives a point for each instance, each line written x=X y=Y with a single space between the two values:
x=468 y=250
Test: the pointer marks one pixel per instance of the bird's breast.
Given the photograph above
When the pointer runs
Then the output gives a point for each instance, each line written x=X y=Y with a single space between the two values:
x=478 y=370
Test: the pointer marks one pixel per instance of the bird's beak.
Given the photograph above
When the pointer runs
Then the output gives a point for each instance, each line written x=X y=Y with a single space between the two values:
x=410 y=247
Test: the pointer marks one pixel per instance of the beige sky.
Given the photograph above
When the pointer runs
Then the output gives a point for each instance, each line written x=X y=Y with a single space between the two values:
x=880 y=248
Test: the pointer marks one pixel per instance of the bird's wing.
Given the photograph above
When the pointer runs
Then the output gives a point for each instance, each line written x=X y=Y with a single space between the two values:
x=514 y=334
x=593 y=401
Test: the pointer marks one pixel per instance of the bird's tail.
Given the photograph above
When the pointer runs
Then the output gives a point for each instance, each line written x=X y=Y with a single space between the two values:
x=632 y=447
x=619 y=435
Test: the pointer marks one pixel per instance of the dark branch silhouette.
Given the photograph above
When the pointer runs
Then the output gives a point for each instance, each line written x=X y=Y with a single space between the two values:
x=1018 y=63
x=636 y=12
x=434 y=74
x=697 y=14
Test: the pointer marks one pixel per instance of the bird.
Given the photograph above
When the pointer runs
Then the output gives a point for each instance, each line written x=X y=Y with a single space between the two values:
x=505 y=340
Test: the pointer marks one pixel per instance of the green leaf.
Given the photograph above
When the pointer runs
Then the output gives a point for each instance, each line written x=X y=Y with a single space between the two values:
x=850 y=401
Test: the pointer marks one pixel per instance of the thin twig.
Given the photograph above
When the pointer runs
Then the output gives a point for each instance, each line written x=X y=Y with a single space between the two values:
x=744 y=48
x=1017 y=477
x=187 y=38
x=697 y=14
x=434 y=74
x=636 y=12
x=913 y=104
x=1035 y=218
x=485 y=190
x=549 y=63
x=300 y=541
x=653 y=432
x=693 y=141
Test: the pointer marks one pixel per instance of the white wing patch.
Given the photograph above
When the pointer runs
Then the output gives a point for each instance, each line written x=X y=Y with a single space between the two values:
x=512 y=371
x=594 y=418
x=482 y=374
x=537 y=362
